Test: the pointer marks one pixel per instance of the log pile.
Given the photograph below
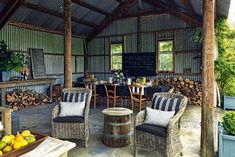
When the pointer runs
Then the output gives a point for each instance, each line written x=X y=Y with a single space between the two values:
x=189 y=88
x=18 y=99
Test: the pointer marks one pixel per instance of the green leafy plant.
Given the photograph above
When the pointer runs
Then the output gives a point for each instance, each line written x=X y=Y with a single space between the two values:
x=197 y=36
x=229 y=122
x=225 y=64
x=10 y=60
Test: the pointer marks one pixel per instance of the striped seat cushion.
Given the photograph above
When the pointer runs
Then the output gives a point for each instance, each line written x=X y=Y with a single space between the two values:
x=73 y=97
x=166 y=104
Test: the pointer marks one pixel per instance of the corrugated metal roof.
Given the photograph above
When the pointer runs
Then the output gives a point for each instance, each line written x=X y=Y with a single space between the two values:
x=37 y=18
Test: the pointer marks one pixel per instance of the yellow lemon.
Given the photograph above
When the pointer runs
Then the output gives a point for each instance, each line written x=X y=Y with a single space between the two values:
x=19 y=137
x=2 y=144
x=25 y=133
x=7 y=149
x=7 y=139
x=17 y=145
x=24 y=143
x=30 y=139
x=1 y=152
x=12 y=136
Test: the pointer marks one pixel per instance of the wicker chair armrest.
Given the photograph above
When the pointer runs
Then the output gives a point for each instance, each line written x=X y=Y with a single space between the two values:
x=55 y=111
x=139 y=118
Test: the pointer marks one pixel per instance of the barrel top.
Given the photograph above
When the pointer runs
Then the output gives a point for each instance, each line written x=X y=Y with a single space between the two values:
x=117 y=111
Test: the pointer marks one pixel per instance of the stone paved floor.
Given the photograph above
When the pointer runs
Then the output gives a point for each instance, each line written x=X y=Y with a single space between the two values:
x=39 y=119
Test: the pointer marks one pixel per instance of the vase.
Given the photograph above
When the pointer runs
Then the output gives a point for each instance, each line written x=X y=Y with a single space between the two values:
x=4 y=76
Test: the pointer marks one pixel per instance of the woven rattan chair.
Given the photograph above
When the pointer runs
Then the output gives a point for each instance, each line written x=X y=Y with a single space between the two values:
x=75 y=130
x=171 y=144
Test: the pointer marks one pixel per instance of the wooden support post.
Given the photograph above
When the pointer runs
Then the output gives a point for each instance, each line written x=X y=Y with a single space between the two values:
x=6 y=119
x=67 y=44
x=207 y=127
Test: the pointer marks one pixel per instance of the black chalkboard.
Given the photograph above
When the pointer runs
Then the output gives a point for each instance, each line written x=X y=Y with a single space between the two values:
x=139 y=64
x=38 y=65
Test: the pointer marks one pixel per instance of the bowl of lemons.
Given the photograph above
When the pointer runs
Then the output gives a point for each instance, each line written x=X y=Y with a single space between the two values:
x=15 y=145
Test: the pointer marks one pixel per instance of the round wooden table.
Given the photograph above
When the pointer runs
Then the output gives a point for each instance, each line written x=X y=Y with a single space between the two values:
x=117 y=126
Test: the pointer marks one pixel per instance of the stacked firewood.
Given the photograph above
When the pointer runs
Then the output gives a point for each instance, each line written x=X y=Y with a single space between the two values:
x=19 y=99
x=189 y=88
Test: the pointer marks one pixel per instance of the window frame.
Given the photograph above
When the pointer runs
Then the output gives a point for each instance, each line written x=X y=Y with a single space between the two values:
x=159 y=52
x=111 y=55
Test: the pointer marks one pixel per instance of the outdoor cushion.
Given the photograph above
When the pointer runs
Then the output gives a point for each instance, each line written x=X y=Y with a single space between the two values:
x=166 y=104
x=71 y=109
x=69 y=119
x=158 y=117
x=73 y=97
x=153 y=129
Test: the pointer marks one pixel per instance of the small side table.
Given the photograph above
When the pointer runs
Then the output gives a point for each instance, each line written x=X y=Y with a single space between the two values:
x=117 y=126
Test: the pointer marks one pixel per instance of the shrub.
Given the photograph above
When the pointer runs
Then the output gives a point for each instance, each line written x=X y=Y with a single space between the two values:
x=229 y=122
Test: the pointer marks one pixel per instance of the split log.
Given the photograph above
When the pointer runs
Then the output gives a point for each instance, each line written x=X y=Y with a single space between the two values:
x=19 y=99
x=191 y=89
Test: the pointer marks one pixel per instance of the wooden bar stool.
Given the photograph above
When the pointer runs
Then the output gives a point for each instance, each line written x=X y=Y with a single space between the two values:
x=92 y=86
x=111 y=94
x=137 y=97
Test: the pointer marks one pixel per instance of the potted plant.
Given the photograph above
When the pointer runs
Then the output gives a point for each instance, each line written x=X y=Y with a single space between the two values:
x=227 y=135
x=9 y=61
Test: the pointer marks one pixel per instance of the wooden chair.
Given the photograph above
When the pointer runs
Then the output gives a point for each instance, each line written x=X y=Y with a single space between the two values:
x=111 y=94
x=136 y=92
x=92 y=86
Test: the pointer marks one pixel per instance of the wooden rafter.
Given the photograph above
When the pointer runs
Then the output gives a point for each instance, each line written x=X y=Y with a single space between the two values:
x=57 y=14
x=91 y=7
x=174 y=11
x=109 y=19
x=34 y=27
x=10 y=7
x=189 y=6
x=146 y=12
x=119 y=1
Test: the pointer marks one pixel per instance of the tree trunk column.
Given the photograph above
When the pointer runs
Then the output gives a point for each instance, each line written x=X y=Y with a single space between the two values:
x=207 y=118
x=67 y=44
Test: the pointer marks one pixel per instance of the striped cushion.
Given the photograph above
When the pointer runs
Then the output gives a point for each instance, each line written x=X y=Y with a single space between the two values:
x=73 y=97
x=166 y=104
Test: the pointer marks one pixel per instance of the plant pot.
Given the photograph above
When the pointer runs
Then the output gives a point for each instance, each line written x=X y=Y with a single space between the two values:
x=5 y=76
x=226 y=143
x=229 y=102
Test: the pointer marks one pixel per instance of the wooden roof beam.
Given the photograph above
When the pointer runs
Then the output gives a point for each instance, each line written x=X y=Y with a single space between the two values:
x=146 y=12
x=189 y=6
x=57 y=14
x=175 y=12
x=119 y=1
x=91 y=7
x=37 y=28
x=123 y=7
x=10 y=7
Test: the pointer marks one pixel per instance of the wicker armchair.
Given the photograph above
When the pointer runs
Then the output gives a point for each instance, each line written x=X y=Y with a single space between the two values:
x=68 y=130
x=168 y=146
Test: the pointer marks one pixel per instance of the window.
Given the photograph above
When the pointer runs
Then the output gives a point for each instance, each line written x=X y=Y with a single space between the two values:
x=165 y=56
x=116 y=56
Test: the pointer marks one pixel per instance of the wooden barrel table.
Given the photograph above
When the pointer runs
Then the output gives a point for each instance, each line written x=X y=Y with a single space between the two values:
x=117 y=126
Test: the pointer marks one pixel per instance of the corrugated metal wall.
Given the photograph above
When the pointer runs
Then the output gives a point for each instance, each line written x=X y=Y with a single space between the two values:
x=153 y=28
x=21 y=39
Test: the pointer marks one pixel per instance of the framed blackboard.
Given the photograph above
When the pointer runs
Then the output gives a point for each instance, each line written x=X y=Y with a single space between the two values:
x=37 y=61
x=139 y=64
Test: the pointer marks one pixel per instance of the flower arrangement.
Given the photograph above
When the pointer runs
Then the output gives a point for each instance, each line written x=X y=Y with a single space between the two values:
x=119 y=77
